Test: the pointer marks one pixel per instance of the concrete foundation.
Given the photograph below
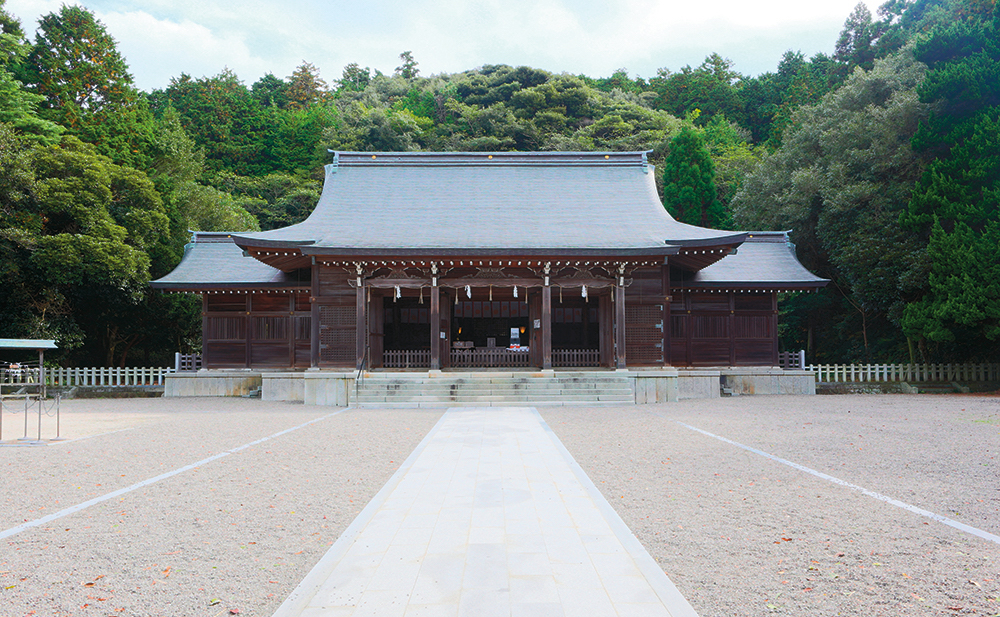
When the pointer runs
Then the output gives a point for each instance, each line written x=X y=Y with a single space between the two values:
x=212 y=383
x=337 y=388
x=763 y=380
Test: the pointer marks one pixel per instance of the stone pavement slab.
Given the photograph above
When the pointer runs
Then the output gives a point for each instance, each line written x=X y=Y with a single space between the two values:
x=490 y=515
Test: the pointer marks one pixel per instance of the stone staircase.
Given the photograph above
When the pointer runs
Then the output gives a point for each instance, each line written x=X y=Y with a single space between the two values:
x=492 y=389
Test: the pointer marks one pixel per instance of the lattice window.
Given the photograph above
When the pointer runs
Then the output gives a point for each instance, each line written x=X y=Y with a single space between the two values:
x=644 y=333
x=709 y=326
x=303 y=328
x=270 y=328
x=337 y=334
x=753 y=326
x=226 y=328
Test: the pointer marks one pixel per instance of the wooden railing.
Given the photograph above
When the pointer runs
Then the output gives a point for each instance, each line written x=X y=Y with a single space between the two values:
x=576 y=357
x=792 y=360
x=917 y=373
x=185 y=362
x=95 y=376
x=489 y=357
x=406 y=358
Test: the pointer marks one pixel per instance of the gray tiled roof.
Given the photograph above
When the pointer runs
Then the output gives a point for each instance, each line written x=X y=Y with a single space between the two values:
x=212 y=260
x=486 y=202
x=766 y=260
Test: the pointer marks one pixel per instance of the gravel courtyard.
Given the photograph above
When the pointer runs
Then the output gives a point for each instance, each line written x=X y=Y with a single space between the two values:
x=253 y=493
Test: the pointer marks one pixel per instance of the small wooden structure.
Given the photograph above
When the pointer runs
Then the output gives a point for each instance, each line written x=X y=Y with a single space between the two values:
x=30 y=344
x=489 y=260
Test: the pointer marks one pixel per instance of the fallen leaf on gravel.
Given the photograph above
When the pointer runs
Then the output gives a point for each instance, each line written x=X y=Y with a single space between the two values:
x=166 y=572
x=975 y=583
x=234 y=611
x=214 y=601
x=89 y=584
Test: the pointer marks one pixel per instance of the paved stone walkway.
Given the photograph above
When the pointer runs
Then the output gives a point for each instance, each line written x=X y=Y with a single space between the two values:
x=490 y=515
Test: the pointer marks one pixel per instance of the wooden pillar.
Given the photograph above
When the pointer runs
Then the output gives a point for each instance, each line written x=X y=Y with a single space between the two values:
x=362 y=325
x=606 y=336
x=774 y=329
x=248 y=351
x=314 y=316
x=435 y=326
x=620 y=322
x=732 y=328
x=546 y=326
x=667 y=360
x=205 y=360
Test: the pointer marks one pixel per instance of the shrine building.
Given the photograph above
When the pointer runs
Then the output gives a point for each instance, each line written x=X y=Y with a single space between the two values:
x=514 y=260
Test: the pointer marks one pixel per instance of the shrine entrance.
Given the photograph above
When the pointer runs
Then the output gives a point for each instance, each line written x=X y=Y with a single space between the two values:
x=488 y=328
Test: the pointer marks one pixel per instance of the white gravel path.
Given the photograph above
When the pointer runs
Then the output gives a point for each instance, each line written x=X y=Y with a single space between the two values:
x=739 y=534
x=238 y=533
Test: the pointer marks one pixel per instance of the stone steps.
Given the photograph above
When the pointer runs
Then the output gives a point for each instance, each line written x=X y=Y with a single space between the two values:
x=492 y=389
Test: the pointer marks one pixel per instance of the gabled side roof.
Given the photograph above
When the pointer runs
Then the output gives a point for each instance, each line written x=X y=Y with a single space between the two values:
x=437 y=203
x=766 y=260
x=213 y=261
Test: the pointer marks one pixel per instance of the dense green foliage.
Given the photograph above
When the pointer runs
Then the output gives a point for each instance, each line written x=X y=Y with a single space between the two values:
x=881 y=156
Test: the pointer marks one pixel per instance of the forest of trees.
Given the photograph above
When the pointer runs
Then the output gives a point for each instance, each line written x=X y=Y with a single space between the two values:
x=882 y=158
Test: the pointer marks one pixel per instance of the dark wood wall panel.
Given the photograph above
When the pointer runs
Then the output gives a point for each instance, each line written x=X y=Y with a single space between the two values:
x=709 y=352
x=226 y=354
x=646 y=287
x=333 y=283
x=754 y=352
x=722 y=329
x=752 y=327
x=270 y=354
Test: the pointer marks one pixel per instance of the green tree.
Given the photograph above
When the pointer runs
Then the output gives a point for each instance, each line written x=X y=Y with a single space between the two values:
x=77 y=246
x=305 y=87
x=75 y=64
x=13 y=46
x=956 y=203
x=689 y=192
x=354 y=78
x=407 y=70
x=841 y=177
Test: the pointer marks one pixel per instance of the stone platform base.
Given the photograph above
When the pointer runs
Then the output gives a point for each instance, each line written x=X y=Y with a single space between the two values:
x=338 y=388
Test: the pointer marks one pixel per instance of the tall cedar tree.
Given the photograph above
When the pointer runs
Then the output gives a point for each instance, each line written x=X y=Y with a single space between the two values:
x=75 y=64
x=689 y=192
x=956 y=204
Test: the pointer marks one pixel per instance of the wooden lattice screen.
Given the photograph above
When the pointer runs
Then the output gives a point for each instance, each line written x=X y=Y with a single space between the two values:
x=337 y=335
x=644 y=333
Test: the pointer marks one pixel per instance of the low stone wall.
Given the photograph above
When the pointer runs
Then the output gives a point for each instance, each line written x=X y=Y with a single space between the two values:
x=212 y=383
x=698 y=383
x=655 y=386
x=763 y=380
x=328 y=388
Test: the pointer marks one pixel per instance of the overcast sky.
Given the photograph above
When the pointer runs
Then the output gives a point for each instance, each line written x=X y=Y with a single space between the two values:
x=163 y=38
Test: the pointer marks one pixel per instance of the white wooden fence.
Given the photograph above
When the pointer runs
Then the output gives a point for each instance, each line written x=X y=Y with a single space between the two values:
x=95 y=376
x=917 y=373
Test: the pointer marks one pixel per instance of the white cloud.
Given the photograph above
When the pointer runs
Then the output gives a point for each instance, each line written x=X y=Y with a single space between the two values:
x=164 y=38
x=161 y=49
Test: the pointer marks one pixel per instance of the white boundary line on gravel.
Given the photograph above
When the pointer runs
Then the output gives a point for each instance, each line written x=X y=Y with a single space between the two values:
x=163 y=476
x=985 y=535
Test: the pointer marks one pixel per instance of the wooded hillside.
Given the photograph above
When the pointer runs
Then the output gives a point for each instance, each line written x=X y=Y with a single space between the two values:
x=883 y=158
